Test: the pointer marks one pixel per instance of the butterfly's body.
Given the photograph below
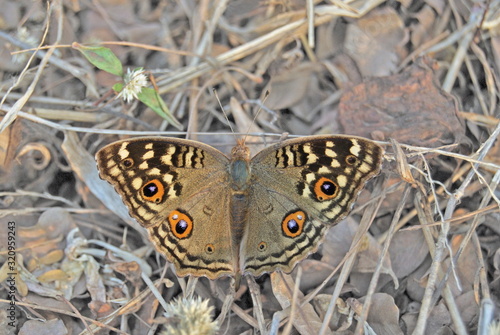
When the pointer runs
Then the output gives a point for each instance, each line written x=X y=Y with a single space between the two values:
x=212 y=215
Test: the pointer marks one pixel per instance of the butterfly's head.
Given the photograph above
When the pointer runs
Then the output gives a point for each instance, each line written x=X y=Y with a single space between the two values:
x=240 y=151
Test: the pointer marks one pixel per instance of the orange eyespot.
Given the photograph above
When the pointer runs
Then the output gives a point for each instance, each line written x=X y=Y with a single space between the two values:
x=153 y=191
x=262 y=246
x=325 y=189
x=128 y=162
x=351 y=160
x=293 y=224
x=181 y=225
x=209 y=248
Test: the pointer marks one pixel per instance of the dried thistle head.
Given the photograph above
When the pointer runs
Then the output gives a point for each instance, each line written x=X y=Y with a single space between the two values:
x=190 y=317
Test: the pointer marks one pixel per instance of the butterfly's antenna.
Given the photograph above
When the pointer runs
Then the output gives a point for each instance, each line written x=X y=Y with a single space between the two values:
x=223 y=111
x=266 y=95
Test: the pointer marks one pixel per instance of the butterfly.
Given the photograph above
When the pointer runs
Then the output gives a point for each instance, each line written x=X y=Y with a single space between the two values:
x=213 y=215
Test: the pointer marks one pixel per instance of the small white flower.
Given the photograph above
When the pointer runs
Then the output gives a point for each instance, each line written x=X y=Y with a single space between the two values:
x=134 y=81
x=190 y=316
x=24 y=35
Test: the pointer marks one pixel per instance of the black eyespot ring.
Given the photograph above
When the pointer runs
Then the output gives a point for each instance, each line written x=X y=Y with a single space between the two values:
x=181 y=224
x=153 y=191
x=262 y=246
x=128 y=162
x=351 y=160
x=325 y=189
x=293 y=223
x=209 y=248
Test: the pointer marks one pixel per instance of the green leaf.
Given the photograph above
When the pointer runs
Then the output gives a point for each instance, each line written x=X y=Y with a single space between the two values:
x=118 y=87
x=152 y=99
x=101 y=57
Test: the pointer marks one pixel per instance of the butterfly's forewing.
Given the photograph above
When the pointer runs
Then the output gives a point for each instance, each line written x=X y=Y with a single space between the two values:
x=299 y=188
x=177 y=190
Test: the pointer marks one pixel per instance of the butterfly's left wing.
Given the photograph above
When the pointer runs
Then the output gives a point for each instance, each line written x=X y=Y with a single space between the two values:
x=299 y=188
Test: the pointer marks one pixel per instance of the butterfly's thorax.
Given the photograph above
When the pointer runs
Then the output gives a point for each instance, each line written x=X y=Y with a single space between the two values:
x=239 y=168
x=239 y=175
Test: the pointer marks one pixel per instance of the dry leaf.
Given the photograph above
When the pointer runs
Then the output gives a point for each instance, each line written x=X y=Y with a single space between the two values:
x=409 y=107
x=376 y=41
x=408 y=250
x=49 y=327
x=305 y=321
x=384 y=315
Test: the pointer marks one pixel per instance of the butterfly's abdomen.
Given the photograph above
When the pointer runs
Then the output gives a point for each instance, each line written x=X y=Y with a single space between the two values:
x=239 y=211
x=239 y=216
